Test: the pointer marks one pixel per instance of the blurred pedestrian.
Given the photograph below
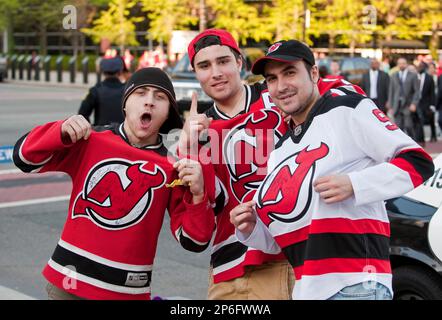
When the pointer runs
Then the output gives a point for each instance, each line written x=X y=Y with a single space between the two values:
x=403 y=97
x=439 y=102
x=125 y=72
x=375 y=84
x=386 y=65
x=104 y=99
x=323 y=71
x=128 y=60
x=426 y=107
x=145 y=60
x=335 y=71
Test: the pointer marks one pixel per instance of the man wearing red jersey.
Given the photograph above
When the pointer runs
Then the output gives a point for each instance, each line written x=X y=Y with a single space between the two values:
x=120 y=176
x=244 y=125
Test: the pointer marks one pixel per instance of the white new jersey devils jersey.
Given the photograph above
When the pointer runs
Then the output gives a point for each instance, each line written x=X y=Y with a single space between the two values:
x=331 y=246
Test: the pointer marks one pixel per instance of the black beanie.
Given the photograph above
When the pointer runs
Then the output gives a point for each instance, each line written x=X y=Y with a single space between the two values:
x=155 y=77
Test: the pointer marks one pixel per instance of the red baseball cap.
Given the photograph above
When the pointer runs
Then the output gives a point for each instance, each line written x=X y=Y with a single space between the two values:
x=224 y=37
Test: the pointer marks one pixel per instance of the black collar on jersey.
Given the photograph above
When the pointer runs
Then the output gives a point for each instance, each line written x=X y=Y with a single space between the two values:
x=246 y=108
x=123 y=134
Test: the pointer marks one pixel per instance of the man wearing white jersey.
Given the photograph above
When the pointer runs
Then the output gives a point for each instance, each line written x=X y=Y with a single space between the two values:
x=321 y=202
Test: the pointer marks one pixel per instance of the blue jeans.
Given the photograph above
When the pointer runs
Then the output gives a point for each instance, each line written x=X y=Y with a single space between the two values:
x=363 y=291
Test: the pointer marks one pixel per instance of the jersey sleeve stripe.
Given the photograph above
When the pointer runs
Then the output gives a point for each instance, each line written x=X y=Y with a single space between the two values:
x=20 y=161
x=417 y=163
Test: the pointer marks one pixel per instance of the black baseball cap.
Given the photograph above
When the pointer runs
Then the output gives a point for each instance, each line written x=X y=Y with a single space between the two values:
x=284 y=51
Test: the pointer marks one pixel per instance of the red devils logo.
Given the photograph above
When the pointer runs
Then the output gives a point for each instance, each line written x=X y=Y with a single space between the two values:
x=274 y=47
x=246 y=149
x=117 y=193
x=279 y=197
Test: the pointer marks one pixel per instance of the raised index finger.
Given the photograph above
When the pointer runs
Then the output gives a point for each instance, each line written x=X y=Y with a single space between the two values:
x=194 y=106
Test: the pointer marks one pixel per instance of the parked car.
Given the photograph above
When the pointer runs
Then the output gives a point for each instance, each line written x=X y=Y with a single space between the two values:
x=416 y=240
x=185 y=82
x=352 y=68
x=3 y=68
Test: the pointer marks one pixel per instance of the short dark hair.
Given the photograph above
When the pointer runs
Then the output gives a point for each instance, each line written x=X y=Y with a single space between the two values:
x=212 y=40
x=308 y=67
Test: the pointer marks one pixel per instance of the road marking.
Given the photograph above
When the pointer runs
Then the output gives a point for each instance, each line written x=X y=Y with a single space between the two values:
x=9 y=171
x=32 y=202
x=10 y=294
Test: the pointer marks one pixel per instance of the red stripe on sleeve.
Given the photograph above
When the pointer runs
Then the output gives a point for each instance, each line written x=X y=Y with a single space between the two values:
x=402 y=163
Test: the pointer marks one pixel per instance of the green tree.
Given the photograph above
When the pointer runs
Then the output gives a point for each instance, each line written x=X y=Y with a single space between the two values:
x=166 y=16
x=429 y=16
x=285 y=19
x=7 y=8
x=115 y=24
x=410 y=19
x=240 y=19
x=343 y=21
x=38 y=16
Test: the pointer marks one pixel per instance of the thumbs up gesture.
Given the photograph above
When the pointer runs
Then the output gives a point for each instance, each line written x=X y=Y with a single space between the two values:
x=193 y=127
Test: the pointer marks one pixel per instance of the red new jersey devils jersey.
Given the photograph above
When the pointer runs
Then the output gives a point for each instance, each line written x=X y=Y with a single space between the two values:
x=116 y=210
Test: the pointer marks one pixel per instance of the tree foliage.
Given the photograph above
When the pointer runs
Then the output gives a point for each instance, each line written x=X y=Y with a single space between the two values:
x=115 y=24
x=341 y=20
x=166 y=16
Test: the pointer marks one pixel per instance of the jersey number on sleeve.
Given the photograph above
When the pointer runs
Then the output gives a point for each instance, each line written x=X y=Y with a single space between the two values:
x=384 y=119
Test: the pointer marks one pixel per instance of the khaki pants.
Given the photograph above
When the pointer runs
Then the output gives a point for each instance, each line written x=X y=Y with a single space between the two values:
x=270 y=281
x=54 y=293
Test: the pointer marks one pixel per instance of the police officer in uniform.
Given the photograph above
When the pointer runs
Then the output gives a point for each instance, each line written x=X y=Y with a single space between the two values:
x=104 y=99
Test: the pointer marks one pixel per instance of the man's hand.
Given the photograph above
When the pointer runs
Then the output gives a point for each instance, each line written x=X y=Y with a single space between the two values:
x=75 y=128
x=191 y=174
x=334 y=188
x=412 y=107
x=243 y=217
x=193 y=127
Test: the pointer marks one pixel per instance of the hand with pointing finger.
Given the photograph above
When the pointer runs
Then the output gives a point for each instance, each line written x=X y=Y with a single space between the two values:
x=194 y=125
x=74 y=129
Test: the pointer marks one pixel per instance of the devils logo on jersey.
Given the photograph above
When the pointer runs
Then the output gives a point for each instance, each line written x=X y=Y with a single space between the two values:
x=286 y=193
x=246 y=149
x=118 y=193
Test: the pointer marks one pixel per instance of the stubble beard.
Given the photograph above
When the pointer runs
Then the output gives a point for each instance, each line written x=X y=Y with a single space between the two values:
x=304 y=106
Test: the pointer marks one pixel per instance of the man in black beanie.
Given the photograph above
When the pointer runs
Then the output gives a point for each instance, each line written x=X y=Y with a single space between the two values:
x=121 y=188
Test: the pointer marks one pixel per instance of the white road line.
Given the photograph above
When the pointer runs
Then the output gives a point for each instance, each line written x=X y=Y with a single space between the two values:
x=10 y=294
x=32 y=202
x=9 y=171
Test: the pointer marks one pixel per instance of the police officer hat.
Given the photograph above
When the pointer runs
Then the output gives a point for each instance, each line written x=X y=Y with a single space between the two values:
x=111 y=65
